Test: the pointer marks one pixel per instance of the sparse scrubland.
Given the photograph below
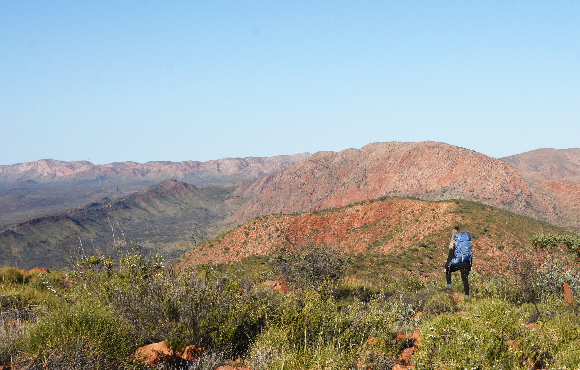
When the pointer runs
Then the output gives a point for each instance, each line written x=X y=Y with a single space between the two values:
x=333 y=313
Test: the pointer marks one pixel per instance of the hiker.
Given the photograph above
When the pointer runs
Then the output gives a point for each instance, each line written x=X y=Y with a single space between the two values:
x=459 y=258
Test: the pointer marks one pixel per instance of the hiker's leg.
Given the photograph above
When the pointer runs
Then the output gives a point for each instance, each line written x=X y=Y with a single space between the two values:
x=465 y=278
x=448 y=277
x=450 y=269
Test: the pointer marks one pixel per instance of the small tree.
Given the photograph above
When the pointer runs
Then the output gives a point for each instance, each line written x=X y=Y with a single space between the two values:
x=309 y=265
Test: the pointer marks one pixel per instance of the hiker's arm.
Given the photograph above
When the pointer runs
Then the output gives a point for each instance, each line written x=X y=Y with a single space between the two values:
x=450 y=257
x=451 y=253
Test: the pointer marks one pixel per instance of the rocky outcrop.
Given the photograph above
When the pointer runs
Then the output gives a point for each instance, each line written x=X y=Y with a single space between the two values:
x=426 y=170
x=159 y=353
x=278 y=286
x=410 y=342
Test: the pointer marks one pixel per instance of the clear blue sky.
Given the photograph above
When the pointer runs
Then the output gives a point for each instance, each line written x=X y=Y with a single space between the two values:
x=198 y=80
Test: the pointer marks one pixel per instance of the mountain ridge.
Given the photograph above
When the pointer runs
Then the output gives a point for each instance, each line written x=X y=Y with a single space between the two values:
x=426 y=170
x=169 y=217
x=35 y=189
x=546 y=164
x=173 y=216
x=50 y=170
x=553 y=174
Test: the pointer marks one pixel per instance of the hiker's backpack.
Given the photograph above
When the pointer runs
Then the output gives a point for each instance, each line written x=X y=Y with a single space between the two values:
x=462 y=248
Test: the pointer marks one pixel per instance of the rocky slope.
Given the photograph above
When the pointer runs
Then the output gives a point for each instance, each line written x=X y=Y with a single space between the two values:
x=547 y=164
x=553 y=174
x=426 y=170
x=411 y=233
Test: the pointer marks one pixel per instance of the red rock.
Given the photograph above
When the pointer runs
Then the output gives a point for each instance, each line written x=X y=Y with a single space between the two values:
x=415 y=336
x=157 y=353
x=373 y=341
x=38 y=270
x=400 y=367
x=514 y=345
x=191 y=353
x=398 y=336
x=532 y=326
x=16 y=323
x=280 y=286
x=568 y=297
x=154 y=353
x=458 y=297
x=406 y=358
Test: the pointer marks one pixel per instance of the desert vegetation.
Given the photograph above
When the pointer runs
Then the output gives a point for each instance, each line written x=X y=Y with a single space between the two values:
x=331 y=314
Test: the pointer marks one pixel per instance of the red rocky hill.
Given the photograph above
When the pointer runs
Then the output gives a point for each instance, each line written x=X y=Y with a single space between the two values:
x=547 y=164
x=426 y=170
x=553 y=174
x=412 y=233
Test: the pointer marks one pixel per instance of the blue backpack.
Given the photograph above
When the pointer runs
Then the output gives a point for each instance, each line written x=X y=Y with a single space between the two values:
x=462 y=248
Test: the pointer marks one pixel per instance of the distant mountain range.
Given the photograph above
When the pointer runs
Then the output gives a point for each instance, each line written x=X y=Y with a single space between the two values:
x=216 y=172
x=175 y=216
x=35 y=189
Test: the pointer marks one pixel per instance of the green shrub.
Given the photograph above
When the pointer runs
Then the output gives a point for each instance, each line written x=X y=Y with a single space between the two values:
x=272 y=351
x=179 y=307
x=535 y=284
x=77 y=337
x=312 y=330
x=476 y=340
x=551 y=277
x=437 y=307
x=497 y=286
x=10 y=329
x=549 y=240
x=310 y=265
x=556 y=342
x=10 y=275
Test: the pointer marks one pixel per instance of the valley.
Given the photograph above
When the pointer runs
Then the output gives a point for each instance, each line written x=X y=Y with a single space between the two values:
x=126 y=207
x=35 y=189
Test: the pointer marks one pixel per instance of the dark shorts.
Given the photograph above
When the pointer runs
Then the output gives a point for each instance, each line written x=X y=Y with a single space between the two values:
x=465 y=266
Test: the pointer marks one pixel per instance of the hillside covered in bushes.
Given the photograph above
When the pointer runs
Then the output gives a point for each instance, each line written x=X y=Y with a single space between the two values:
x=322 y=313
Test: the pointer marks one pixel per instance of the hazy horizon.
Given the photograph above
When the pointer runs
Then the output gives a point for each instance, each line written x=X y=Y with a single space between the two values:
x=173 y=81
